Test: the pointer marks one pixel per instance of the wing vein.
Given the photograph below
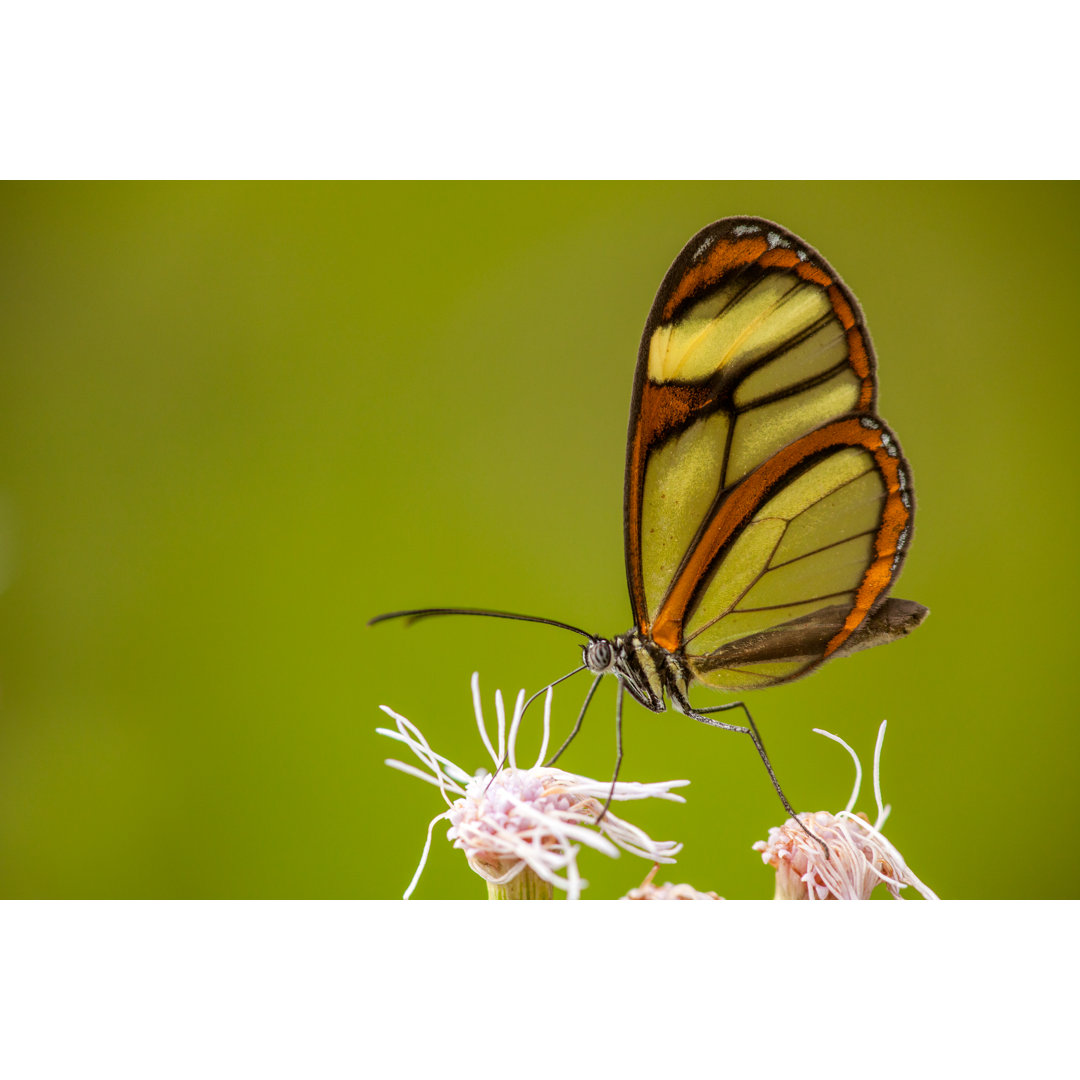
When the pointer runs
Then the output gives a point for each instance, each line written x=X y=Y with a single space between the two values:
x=797 y=339
x=793 y=603
x=753 y=326
x=824 y=547
x=732 y=606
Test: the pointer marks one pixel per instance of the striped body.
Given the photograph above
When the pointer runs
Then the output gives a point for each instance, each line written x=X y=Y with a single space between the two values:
x=647 y=670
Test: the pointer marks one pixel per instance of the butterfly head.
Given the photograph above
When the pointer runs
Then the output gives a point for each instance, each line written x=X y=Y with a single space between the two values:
x=631 y=661
x=598 y=655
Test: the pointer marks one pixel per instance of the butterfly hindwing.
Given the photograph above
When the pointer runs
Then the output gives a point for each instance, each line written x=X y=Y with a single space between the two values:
x=794 y=560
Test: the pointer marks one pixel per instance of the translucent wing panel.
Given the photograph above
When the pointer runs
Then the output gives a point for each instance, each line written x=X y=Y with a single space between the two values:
x=681 y=482
x=763 y=429
x=751 y=675
x=807 y=357
x=746 y=560
x=856 y=501
x=743 y=623
x=824 y=573
x=736 y=326
x=820 y=539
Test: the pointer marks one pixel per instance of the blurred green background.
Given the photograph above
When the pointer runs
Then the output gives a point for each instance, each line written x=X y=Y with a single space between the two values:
x=236 y=420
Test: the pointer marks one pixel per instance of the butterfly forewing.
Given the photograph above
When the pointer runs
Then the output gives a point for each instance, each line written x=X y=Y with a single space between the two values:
x=763 y=496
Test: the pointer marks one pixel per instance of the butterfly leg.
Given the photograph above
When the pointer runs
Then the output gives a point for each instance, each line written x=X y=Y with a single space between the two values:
x=752 y=731
x=618 y=751
x=577 y=727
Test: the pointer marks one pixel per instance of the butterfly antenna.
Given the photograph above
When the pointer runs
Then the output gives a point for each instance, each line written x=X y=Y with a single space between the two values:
x=424 y=613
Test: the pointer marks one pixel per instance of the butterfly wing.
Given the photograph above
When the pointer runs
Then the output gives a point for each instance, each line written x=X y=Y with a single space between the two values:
x=767 y=508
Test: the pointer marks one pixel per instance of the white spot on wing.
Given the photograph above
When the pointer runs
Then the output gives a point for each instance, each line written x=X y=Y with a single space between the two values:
x=900 y=542
x=866 y=422
x=705 y=245
x=776 y=240
x=746 y=230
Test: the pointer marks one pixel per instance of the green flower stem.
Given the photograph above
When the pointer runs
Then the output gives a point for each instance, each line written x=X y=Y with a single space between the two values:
x=526 y=886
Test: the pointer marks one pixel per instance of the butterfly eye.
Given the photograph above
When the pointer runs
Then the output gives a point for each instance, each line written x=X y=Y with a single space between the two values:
x=598 y=656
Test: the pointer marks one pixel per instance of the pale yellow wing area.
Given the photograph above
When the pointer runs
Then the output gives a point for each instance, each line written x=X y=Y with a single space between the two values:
x=681 y=483
x=777 y=355
x=799 y=561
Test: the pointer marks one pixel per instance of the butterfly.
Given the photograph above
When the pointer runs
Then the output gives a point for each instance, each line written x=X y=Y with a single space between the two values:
x=767 y=507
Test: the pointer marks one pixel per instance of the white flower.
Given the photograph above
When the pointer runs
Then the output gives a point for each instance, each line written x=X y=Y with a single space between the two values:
x=860 y=856
x=536 y=818
x=648 y=891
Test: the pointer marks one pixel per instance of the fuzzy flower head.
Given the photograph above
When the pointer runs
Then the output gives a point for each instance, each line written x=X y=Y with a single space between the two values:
x=649 y=890
x=517 y=819
x=860 y=856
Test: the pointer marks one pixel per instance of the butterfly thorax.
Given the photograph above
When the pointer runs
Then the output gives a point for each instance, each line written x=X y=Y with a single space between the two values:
x=647 y=670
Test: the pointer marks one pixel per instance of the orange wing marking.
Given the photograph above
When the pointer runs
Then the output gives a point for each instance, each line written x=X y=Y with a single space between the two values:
x=661 y=409
x=723 y=257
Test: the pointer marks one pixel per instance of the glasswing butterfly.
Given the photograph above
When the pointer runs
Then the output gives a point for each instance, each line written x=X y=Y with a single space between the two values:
x=767 y=507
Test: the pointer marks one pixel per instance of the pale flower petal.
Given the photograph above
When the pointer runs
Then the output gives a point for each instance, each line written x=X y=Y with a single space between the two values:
x=538 y=818
x=860 y=857
x=648 y=891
